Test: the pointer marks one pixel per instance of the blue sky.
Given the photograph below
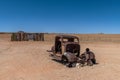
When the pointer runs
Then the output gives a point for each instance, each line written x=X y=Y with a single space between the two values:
x=61 y=16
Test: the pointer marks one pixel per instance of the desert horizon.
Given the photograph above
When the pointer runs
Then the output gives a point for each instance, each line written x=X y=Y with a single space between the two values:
x=35 y=41
x=29 y=60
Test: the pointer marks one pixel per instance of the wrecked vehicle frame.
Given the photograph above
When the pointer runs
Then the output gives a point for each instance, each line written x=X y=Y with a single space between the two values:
x=66 y=48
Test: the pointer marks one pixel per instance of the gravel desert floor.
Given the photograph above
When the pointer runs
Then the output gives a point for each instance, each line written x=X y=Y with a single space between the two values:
x=30 y=61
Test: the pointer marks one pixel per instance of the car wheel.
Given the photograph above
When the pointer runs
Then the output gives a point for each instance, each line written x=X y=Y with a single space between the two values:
x=64 y=60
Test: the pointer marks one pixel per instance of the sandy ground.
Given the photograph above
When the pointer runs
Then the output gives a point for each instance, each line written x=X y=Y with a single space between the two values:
x=30 y=61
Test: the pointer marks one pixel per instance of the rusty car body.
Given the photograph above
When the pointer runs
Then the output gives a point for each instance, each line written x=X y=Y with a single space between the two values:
x=66 y=48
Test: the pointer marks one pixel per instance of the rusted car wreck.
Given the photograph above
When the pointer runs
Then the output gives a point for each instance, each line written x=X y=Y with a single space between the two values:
x=66 y=49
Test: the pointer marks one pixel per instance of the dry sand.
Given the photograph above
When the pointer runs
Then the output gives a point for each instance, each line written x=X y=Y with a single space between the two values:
x=30 y=61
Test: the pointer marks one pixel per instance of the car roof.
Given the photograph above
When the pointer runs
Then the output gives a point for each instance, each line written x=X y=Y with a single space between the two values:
x=66 y=36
